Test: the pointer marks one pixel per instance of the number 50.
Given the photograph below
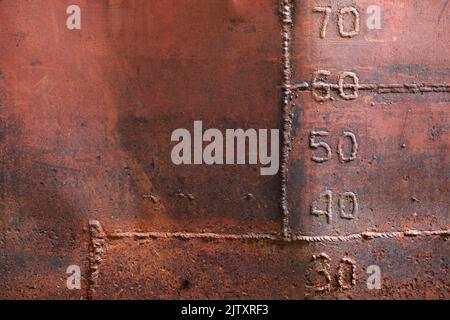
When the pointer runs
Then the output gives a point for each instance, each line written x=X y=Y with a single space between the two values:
x=316 y=144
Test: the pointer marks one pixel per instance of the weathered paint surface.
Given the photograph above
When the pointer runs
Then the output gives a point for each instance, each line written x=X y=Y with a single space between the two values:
x=400 y=173
x=244 y=270
x=86 y=177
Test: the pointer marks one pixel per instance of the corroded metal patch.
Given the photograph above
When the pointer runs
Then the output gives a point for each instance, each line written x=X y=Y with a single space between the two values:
x=359 y=90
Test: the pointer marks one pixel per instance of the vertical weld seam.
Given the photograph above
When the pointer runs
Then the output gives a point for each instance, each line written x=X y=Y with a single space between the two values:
x=96 y=250
x=90 y=263
x=286 y=15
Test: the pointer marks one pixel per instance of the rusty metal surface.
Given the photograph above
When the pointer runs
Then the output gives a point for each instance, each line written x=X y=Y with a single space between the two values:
x=247 y=270
x=400 y=173
x=86 y=176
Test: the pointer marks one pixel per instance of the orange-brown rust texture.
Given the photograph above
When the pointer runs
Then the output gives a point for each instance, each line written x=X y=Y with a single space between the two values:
x=400 y=173
x=86 y=176
x=87 y=117
x=246 y=270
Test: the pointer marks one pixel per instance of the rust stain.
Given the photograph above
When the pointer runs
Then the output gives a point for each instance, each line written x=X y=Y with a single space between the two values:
x=86 y=177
